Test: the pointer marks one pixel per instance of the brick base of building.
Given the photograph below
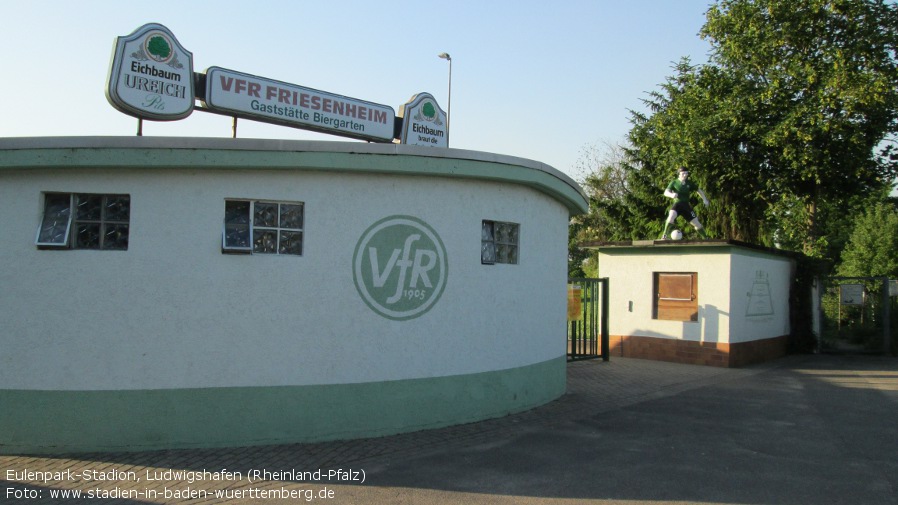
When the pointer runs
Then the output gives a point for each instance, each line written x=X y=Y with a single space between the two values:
x=698 y=353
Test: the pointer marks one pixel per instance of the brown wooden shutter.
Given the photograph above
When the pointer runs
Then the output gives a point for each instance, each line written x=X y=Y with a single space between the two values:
x=676 y=296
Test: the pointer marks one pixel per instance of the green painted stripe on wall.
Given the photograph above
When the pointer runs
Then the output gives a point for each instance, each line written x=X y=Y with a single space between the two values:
x=131 y=420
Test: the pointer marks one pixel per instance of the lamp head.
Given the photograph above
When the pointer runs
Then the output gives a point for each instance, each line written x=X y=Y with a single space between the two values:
x=445 y=56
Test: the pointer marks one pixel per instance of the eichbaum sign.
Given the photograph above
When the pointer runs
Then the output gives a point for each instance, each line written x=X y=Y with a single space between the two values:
x=424 y=122
x=151 y=75
x=248 y=96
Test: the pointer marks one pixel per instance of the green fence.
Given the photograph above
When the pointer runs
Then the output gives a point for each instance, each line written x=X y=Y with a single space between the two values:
x=858 y=314
x=587 y=332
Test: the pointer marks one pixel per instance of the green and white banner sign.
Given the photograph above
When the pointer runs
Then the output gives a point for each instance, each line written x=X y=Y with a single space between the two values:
x=244 y=95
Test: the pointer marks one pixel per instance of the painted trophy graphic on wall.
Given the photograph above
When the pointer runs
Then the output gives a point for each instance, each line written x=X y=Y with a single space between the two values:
x=760 y=302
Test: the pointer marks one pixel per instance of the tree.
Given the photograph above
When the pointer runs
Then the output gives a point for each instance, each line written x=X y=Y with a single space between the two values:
x=789 y=127
x=603 y=179
x=822 y=78
x=872 y=250
x=601 y=172
x=698 y=121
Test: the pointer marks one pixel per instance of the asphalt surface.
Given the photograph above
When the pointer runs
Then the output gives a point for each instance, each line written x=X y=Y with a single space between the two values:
x=813 y=429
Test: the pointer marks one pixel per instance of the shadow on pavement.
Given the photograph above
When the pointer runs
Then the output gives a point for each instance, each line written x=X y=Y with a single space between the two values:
x=806 y=429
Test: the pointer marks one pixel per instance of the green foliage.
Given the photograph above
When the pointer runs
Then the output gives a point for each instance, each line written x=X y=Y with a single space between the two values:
x=577 y=256
x=604 y=181
x=822 y=80
x=872 y=250
x=690 y=125
x=788 y=128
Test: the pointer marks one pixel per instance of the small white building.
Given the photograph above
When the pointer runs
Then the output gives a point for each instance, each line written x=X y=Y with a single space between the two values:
x=178 y=292
x=714 y=302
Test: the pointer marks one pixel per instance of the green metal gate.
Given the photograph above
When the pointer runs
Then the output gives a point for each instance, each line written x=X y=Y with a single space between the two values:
x=858 y=314
x=587 y=333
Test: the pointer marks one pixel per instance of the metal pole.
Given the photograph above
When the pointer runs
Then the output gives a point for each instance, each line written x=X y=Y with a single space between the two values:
x=886 y=317
x=449 y=105
x=606 y=352
x=591 y=308
x=448 y=58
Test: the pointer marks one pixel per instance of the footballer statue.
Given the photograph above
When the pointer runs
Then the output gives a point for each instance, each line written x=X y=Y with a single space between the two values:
x=680 y=190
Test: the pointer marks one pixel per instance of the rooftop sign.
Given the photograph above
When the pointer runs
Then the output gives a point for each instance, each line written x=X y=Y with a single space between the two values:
x=151 y=75
x=248 y=96
x=424 y=122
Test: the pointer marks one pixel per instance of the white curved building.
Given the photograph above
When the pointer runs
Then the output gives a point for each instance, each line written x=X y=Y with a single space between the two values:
x=179 y=292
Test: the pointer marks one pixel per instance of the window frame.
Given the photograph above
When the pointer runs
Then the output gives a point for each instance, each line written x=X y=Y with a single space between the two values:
x=674 y=308
x=492 y=243
x=72 y=221
x=251 y=227
x=64 y=244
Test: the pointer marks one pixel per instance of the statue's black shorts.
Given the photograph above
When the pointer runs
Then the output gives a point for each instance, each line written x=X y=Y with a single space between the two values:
x=685 y=210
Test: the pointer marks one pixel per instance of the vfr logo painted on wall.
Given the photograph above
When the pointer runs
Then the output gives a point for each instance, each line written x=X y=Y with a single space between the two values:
x=400 y=267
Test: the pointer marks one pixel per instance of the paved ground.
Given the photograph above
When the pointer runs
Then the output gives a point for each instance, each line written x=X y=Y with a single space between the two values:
x=802 y=430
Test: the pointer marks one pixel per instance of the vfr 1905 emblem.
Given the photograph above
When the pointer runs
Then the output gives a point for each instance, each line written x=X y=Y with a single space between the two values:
x=400 y=267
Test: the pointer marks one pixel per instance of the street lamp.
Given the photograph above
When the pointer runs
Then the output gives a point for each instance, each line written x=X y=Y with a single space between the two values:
x=446 y=56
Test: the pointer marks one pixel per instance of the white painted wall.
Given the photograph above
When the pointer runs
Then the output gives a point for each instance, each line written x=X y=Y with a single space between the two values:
x=732 y=284
x=174 y=312
x=760 y=296
x=630 y=273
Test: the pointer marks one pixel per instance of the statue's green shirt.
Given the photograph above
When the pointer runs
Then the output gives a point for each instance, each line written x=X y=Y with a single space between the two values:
x=682 y=189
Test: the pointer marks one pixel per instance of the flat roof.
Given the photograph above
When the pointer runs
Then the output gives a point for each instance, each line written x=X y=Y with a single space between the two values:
x=224 y=153
x=674 y=245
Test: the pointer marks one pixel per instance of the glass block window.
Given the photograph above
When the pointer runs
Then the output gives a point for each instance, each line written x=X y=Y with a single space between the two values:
x=499 y=242
x=257 y=227
x=85 y=221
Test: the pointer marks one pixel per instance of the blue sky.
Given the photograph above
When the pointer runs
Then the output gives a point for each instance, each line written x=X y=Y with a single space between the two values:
x=533 y=79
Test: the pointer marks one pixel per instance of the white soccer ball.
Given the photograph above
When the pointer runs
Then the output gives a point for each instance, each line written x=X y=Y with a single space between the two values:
x=676 y=235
